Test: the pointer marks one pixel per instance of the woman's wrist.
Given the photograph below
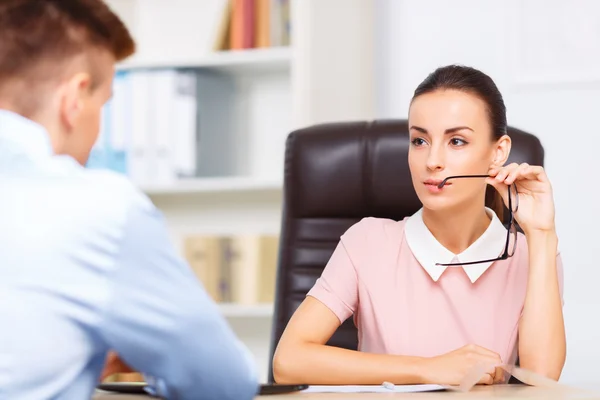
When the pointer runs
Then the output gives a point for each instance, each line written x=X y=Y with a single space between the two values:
x=542 y=248
x=545 y=238
x=542 y=230
x=419 y=370
x=411 y=370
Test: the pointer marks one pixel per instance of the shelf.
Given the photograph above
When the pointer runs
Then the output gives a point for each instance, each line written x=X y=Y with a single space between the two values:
x=256 y=60
x=247 y=311
x=213 y=185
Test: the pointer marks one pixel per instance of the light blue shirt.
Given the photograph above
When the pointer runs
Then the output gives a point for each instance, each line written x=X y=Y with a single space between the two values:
x=86 y=266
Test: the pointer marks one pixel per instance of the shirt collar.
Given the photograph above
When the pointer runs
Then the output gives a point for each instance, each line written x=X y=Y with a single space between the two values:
x=24 y=134
x=428 y=251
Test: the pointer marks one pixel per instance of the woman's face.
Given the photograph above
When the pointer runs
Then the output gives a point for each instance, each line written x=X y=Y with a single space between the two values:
x=450 y=134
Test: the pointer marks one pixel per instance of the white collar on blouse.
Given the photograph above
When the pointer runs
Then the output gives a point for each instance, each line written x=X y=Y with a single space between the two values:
x=428 y=251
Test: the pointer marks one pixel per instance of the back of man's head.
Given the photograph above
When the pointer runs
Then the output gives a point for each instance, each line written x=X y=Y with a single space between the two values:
x=56 y=65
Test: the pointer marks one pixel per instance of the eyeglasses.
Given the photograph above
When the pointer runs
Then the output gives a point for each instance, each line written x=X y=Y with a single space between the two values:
x=511 y=245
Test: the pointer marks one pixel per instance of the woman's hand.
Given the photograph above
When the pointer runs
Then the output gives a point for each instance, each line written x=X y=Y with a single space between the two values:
x=536 y=203
x=453 y=367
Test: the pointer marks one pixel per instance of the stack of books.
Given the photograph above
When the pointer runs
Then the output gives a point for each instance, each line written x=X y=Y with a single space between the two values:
x=238 y=269
x=248 y=24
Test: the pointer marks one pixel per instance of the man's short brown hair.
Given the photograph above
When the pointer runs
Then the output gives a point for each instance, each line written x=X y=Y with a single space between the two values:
x=38 y=37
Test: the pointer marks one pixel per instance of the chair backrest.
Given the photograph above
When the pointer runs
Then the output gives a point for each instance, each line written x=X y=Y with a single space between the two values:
x=336 y=174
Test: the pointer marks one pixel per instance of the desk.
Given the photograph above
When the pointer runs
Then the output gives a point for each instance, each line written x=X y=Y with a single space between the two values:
x=514 y=392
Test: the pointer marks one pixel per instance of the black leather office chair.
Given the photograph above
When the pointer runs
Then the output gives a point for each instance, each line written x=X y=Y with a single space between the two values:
x=336 y=174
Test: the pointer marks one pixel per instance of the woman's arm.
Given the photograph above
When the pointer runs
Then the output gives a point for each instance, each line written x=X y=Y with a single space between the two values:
x=303 y=357
x=542 y=347
x=542 y=343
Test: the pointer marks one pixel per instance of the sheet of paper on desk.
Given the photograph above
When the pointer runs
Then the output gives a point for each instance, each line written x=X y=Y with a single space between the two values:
x=371 y=388
x=469 y=381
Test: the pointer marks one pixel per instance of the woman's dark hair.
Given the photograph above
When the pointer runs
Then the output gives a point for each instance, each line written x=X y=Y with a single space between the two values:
x=473 y=81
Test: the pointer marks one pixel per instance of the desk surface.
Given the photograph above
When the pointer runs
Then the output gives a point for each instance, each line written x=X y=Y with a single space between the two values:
x=496 y=391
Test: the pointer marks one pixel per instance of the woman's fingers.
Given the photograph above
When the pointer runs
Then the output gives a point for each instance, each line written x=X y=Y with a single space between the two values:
x=515 y=173
x=499 y=375
x=512 y=172
x=533 y=172
x=503 y=172
x=487 y=379
x=484 y=355
x=493 y=373
x=489 y=361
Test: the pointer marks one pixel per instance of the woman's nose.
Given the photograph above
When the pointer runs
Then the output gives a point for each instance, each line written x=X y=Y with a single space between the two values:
x=435 y=160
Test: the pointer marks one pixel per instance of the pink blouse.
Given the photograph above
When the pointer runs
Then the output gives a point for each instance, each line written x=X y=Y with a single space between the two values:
x=383 y=272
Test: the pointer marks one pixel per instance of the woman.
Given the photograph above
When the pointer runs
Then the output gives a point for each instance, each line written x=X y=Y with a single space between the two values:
x=421 y=322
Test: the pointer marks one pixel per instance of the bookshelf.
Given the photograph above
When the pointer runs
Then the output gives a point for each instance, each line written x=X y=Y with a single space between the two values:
x=231 y=61
x=246 y=311
x=200 y=186
x=247 y=101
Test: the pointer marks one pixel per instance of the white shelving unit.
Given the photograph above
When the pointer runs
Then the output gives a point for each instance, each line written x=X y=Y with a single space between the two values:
x=247 y=311
x=261 y=95
x=233 y=61
x=199 y=186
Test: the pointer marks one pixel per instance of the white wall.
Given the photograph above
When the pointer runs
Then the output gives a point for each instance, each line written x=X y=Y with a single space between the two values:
x=545 y=57
x=333 y=72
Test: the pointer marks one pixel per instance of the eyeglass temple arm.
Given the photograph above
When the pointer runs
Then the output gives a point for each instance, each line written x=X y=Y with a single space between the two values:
x=442 y=183
x=471 y=262
x=504 y=256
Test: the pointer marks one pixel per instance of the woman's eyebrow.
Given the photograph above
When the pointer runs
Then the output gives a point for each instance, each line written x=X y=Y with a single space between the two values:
x=449 y=130
x=458 y=128
x=418 y=128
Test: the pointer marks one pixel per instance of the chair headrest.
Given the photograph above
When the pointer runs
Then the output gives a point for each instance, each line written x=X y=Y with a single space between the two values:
x=356 y=169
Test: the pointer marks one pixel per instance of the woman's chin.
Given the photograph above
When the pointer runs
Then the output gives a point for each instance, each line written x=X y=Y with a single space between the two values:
x=437 y=203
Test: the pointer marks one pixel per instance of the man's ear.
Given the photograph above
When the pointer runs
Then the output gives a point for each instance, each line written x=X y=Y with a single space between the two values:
x=501 y=151
x=74 y=92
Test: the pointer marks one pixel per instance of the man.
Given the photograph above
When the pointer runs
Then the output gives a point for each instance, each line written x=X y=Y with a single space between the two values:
x=85 y=264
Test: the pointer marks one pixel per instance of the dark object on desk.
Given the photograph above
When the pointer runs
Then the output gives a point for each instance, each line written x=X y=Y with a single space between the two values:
x=336 y=174
x=280 y=389
x=124 y=387
x=139 y=388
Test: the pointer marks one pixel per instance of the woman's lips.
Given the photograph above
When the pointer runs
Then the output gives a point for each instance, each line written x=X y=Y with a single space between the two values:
x=433 y=185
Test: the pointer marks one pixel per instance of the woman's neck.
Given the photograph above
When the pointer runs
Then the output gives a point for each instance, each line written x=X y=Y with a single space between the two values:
x=456 y=230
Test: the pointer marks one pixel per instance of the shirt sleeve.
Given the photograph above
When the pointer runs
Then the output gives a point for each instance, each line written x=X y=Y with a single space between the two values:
x=162 y=322
x=337 y=287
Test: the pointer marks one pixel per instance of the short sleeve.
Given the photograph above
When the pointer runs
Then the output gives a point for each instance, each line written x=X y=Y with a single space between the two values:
x=337 y=287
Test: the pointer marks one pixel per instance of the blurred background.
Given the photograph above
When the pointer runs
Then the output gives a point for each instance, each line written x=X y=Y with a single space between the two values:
x=200 y=116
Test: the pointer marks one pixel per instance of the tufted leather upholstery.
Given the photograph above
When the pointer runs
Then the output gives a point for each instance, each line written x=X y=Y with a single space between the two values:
x=336 y=174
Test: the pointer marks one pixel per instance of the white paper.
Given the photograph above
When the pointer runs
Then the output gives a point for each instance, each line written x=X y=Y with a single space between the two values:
x=371 y=388
x=469 y=381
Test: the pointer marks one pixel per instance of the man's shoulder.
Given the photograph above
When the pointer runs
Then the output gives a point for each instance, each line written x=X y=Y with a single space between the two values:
x=116 y=184
x=103 y=195
x=111 y=185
